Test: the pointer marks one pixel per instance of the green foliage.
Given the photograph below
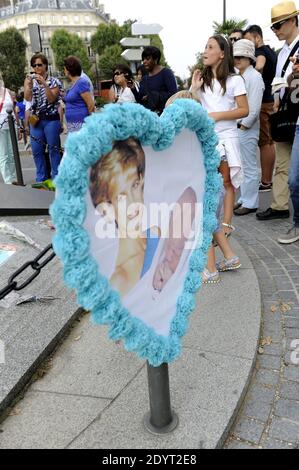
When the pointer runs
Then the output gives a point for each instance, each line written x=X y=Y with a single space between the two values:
x=199 y=65
x=181 y=85
x=228 y=26
x=109 y=59
x=64 y=44
x=12 y=58
x=106 y=43
x=101 y=102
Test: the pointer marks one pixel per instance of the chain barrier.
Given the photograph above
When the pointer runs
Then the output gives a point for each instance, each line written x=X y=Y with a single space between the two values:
x=4 y=122
x=40 y=141
x=35 y=264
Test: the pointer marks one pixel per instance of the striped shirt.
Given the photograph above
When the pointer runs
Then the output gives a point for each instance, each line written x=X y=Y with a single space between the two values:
x=40 y=104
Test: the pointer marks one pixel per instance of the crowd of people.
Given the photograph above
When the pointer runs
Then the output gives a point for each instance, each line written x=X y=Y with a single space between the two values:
x=242 y=85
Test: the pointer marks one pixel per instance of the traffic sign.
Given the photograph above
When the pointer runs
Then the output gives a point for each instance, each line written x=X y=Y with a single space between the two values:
x=135 y=42
x=139 y=29
x=132 y=55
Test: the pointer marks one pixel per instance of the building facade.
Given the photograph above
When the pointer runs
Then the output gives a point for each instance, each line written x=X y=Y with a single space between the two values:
x=81 y=17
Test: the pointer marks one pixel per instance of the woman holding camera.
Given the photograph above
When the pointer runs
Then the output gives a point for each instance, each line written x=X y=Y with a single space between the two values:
x=120 y=92
x=45 y=127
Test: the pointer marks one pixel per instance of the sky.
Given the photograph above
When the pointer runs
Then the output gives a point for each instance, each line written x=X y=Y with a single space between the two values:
x=187 y=27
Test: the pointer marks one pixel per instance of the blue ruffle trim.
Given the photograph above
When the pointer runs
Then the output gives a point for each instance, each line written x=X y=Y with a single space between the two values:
x=71 y=242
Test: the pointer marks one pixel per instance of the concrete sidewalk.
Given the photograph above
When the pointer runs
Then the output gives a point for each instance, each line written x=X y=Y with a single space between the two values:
x=95 y=394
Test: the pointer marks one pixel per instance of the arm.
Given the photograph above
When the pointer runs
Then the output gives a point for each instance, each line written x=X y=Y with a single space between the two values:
x=87 y=97
x=255 y=97
x=112 y=96
x=28 y=88
x=51 y=93
x=170 y=82
x=241 y=112
x=260 y=63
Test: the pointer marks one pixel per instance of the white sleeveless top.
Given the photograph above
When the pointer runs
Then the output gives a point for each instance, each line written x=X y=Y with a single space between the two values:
x=8 y=103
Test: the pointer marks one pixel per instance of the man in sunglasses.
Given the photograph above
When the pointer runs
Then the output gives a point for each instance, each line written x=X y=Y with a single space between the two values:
x=236 y=35
x=285 y=27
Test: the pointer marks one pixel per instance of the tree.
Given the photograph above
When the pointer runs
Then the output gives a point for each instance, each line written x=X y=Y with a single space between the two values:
x=12 y=58
x=228 y=26
x=110 y=35
x=64 y=44
x=109 y=59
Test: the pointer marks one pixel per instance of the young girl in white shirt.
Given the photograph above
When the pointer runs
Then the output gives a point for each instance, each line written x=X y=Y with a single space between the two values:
x=222 y=92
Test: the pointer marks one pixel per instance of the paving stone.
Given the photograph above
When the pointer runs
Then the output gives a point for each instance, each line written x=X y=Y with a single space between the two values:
x=269 y=362
x=267 y=377
x=287 y=409
x=275 y=349
x=290 y=390
x=284 y=429
x=292 y=373
x=249 y=430
x=240 y=445
x=261 y=394
x=276 y=444
x=292 y=322
x=292 y=333
x=257 y=409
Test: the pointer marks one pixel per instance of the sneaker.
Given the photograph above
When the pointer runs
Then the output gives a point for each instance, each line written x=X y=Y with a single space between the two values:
x=265 y=188
x=210 y=278
x=291 y=237
x=229 y=265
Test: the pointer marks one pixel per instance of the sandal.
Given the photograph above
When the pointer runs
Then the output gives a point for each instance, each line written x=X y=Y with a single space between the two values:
x=229 y=264
x=230 y=227
x=210 y=278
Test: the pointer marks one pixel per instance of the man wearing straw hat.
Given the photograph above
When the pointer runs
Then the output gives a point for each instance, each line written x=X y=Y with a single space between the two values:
x=285 y=26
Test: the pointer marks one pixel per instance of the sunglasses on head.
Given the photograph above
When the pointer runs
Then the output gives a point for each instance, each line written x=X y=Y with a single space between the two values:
x=37 y=65
x=277 y=26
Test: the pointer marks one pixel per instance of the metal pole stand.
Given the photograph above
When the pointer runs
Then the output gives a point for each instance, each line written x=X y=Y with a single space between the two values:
x=161 y=419
x=15 y=147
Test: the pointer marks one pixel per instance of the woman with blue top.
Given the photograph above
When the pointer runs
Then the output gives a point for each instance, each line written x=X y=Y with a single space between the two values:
x=78 y=99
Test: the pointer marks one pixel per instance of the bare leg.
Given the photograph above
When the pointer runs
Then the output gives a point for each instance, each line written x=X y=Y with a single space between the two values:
x=211 y=265
x=224 y=245
x=229 y=198
x=267 y=163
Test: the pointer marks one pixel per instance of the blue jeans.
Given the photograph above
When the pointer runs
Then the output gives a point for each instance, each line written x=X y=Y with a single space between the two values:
x=46 y=132
x=294 y=177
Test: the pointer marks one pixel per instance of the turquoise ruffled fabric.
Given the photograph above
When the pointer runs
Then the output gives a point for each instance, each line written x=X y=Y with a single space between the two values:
x=71 y=242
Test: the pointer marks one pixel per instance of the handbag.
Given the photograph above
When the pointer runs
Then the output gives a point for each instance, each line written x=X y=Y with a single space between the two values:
x=33 y=120
x=283 y=123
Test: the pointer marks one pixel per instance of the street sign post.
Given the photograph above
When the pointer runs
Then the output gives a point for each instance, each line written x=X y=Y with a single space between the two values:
x=132 y=55
x=135 y=42
x=139 y=29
